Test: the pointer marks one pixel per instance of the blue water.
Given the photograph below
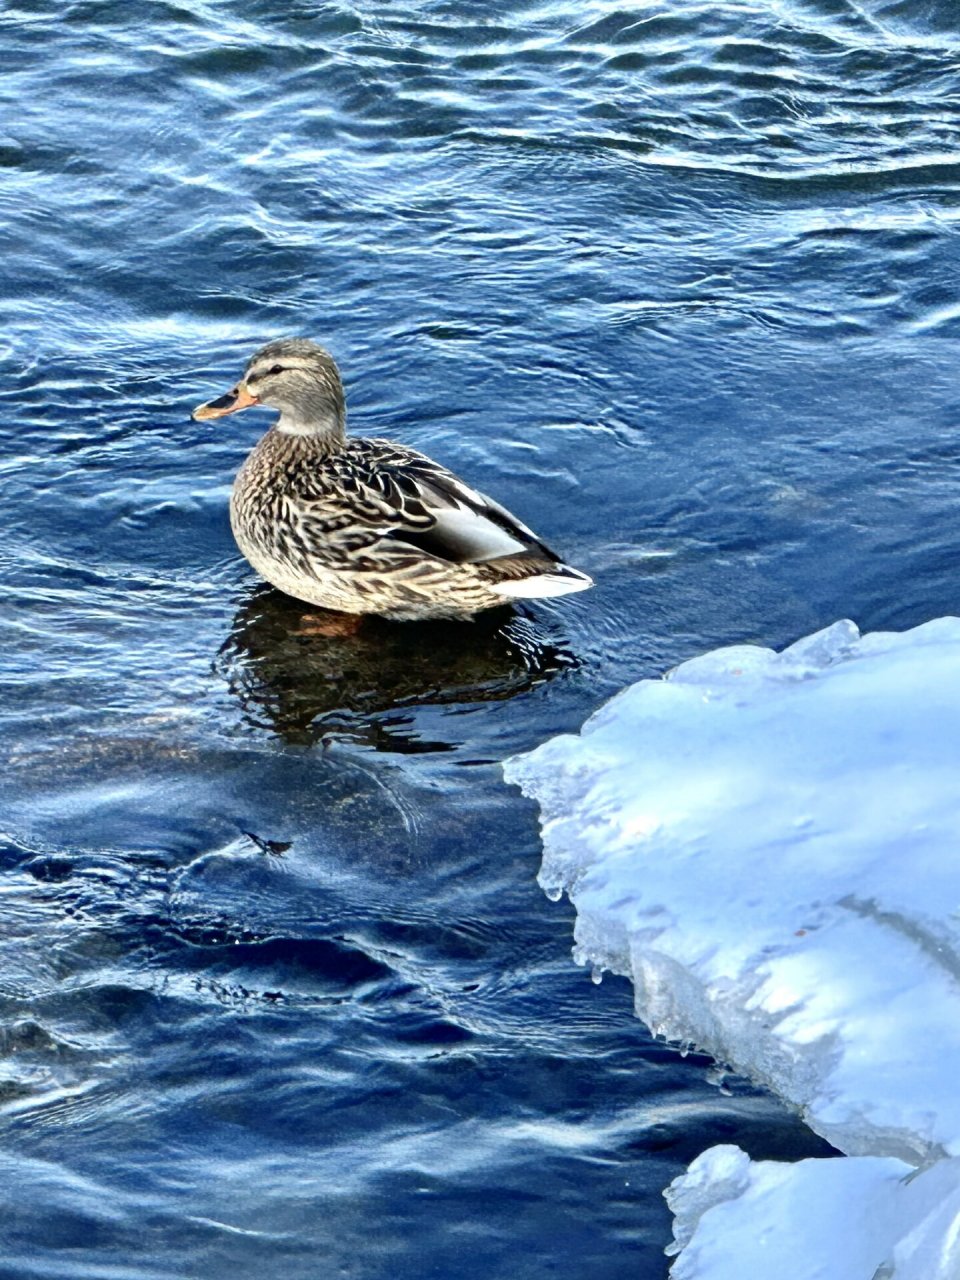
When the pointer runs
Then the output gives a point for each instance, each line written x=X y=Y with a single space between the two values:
x=677 y=283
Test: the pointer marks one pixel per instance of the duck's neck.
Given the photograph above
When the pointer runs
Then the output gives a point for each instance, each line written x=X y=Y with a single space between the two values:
x=326 y=434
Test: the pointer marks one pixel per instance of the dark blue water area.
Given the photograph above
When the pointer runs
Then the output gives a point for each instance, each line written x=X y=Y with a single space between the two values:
x=678 y=283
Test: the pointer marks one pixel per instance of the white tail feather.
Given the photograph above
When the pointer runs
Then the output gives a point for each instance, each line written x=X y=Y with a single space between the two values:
x=543 y=585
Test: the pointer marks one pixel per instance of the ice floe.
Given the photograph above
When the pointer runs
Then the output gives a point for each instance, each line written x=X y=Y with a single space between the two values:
x=769 y=846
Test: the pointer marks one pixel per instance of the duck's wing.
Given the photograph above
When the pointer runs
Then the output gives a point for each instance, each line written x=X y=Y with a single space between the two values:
x=396 y=503
x=465 y=526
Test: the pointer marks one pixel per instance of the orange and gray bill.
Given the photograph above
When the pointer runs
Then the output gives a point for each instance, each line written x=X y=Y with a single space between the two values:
x=237 y=398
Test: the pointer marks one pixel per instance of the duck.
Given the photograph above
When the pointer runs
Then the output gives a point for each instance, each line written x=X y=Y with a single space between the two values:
x=361 y=525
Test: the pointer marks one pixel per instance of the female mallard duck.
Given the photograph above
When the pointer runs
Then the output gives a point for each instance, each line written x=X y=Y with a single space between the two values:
x=366 y=526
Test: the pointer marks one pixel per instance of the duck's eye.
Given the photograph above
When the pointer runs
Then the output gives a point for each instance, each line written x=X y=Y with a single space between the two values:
x=277 y=368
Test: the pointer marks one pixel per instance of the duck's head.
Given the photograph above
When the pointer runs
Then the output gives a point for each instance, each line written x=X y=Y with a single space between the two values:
x=295 y=376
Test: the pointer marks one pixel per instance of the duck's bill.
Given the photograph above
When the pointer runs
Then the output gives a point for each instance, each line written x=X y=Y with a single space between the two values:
x=238 y=398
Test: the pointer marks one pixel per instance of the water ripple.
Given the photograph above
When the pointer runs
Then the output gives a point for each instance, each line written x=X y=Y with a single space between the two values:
x=676 y=283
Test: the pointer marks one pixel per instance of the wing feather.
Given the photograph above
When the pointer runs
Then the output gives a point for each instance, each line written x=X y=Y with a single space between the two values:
x=379 y=503
x=387 y=499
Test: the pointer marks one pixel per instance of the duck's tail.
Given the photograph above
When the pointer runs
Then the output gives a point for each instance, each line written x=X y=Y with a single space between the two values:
x=560 y=580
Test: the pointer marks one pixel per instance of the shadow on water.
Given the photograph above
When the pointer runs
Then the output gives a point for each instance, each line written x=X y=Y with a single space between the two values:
x=308 y=675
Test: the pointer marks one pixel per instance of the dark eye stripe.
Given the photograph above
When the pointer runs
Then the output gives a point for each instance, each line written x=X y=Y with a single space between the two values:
x=277 y=368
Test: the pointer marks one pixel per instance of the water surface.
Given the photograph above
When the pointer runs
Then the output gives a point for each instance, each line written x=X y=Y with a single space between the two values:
x=676 y=283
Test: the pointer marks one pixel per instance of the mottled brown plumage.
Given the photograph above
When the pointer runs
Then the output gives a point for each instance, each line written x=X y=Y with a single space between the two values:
x=365 y=525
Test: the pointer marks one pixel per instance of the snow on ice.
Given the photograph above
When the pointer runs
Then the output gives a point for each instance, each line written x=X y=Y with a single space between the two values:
x=769 y=846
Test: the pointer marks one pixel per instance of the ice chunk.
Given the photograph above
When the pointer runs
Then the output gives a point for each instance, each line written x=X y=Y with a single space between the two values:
x=867 y=1218
x=768 y=845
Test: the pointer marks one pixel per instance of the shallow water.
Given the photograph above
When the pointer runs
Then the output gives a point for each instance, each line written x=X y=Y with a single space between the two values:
x=675 y=282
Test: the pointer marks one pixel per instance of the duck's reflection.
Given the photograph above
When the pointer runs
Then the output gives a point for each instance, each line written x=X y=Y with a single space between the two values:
x=308 y=674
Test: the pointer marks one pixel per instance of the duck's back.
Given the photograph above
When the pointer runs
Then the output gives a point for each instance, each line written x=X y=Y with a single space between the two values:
x=374 y=527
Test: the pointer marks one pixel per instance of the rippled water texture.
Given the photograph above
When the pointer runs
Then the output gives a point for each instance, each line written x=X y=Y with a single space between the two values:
x=676 y=282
